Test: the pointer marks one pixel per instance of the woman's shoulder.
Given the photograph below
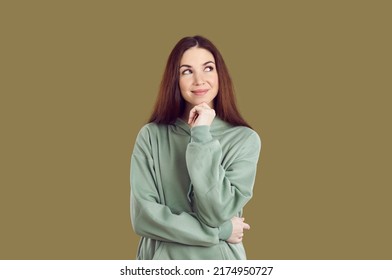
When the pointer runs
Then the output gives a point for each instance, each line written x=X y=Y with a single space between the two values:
x=238 y=130
x=146 y=132
x=244 y=130
x=238 y=135
x=147 y=135
x=151 y=127
x=247 y=134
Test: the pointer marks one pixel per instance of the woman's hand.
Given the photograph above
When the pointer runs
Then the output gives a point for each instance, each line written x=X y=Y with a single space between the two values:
x=238 y=230
x=201 y=114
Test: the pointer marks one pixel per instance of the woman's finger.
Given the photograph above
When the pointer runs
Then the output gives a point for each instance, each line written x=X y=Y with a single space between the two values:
x=246 y=226
x=201 y=110
x=192 y=115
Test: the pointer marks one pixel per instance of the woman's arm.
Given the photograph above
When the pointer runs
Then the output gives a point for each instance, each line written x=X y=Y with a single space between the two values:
x=220 y=194
x=152 y=219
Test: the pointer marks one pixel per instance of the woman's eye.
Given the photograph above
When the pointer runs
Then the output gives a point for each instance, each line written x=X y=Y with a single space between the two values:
x=186 y=72
x=209 y=68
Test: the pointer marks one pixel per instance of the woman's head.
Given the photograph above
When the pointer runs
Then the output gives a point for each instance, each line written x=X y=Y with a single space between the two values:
x=193 y=66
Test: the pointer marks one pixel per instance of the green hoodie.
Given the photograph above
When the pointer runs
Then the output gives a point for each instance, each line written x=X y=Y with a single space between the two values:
x=187 y=184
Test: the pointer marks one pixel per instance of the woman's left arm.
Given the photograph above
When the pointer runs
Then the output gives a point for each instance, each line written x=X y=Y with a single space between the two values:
x=219 y=193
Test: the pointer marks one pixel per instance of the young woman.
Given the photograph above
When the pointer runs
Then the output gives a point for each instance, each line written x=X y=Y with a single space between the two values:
x=194 y=164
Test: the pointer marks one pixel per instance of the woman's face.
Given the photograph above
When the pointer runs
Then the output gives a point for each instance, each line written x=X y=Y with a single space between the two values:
x=198 y=77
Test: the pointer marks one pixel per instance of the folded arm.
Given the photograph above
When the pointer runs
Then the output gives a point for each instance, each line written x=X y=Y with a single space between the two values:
x=220 y=193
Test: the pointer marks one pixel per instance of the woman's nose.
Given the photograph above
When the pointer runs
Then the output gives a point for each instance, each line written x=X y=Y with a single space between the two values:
x=198 y=79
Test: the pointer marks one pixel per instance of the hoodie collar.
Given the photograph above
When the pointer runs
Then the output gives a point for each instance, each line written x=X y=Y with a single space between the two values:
x=217 y=125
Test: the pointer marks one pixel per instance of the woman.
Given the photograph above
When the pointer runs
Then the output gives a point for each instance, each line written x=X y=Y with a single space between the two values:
x=194 y=164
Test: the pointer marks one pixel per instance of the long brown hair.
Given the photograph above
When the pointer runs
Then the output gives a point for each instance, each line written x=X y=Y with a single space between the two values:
x=170 y=105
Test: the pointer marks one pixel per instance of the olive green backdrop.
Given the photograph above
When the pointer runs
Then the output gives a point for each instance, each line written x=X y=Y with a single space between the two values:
x=79 y=78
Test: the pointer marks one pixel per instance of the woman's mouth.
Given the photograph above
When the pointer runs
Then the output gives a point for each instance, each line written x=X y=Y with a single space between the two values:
x=199 y=91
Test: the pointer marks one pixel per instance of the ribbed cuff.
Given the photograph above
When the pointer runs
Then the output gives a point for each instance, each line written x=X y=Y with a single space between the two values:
x=201 y=134
x=225 y=230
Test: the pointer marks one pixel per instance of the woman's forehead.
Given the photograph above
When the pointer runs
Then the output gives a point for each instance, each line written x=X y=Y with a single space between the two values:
x=196 y=56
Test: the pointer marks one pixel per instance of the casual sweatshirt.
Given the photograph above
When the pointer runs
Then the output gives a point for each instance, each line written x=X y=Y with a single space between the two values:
x=186 y=185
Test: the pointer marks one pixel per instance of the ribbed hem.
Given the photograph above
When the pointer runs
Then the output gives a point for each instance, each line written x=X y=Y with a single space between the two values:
x=225 y=230
x=201 y=134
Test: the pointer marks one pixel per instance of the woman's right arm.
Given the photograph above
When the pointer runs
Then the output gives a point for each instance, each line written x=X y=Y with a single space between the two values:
x=152 y=219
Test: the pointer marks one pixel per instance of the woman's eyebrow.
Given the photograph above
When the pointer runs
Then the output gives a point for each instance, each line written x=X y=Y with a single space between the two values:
x=208 y=62
x=205 y=63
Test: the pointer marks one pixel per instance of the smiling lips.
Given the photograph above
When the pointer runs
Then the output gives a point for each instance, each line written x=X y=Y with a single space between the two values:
x=200 y=92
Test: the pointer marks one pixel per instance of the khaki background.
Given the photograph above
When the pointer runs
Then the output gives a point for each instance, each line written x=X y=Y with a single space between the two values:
x=79 y=78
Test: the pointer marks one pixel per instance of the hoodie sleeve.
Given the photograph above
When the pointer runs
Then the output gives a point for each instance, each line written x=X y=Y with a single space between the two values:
x=220 y=194
x=154 y=220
